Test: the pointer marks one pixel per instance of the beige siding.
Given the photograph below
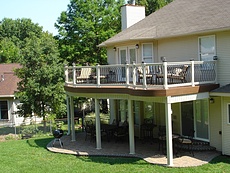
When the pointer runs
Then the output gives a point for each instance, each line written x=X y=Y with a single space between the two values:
x=176 y=117
x=160 y=113
x=223 y=54
x=226 y=128
x=215 y=123
x=111 y=54
x=178 y=49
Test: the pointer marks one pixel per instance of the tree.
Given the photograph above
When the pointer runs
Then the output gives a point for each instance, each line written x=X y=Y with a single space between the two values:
x=12 y=38
x=153 y=5
x=41 y=87
x=84 y=25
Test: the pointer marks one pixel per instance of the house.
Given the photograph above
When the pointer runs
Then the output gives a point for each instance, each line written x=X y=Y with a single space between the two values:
x=8 y=102
x=146 y=79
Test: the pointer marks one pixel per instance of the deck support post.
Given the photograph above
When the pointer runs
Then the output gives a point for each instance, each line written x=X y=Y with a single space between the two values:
x=131 y=127
x=168 y=117
x=68 y=115
x=72 y=119
x=98 y=124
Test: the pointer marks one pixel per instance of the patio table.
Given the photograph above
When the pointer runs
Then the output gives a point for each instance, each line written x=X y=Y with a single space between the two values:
x=109 y=130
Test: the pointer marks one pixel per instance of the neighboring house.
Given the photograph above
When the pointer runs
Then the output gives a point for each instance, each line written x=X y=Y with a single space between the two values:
x=8 y=102
x=191 y=35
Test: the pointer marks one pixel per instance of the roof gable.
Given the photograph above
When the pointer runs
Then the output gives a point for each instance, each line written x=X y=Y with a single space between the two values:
x=180 y=17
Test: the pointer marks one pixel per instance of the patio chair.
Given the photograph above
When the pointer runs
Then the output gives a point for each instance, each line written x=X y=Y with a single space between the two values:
x=140 y=73
x=186 y=142
x=161 y=138
x=85 y=75
x=179 y=74
x=90 y=130
x=121 y=133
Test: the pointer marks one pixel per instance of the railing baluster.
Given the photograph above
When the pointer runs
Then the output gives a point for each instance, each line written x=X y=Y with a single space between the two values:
x=192 y=73
x=127 y=74
x=66 y=74
x=144 y=74
x=165 y=75
x=134 y=75
x=74 y=74
x=98 y=74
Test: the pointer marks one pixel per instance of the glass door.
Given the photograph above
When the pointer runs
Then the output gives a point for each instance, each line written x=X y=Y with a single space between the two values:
x=201 y=119
x=123 y=57
x=131 y=59
x=187 y=118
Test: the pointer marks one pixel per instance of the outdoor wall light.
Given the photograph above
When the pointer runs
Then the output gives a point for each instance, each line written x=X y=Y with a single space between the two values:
x=137 y=46
x=114 y=48
x=211 y=100
x=215 y=57
x=163 y=59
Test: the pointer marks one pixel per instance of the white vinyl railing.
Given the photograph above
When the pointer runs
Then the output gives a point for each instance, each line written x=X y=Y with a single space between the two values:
x=144 y=75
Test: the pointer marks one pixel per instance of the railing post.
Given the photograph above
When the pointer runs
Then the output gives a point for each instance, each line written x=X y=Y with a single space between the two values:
x=127 y=73
x=74 y=74
x=215 y=68
x=165 y=75
x=134 y=74
x=144 y=74
x=66 y=74
x=98 y=74
x=192 y=73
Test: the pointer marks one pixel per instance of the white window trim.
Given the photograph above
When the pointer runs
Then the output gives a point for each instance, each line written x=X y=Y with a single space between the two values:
x=228 y=114
x=143 y=51
x=199 y=54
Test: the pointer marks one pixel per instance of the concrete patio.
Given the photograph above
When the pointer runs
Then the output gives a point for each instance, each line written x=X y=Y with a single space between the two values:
x=145 y=150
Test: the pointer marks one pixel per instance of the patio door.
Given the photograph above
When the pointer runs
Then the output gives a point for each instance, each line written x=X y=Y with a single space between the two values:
x=194 y=116
x=127 y=55
x=187 y=118
x=132 y=58
x=201 y=119
x=123 y=57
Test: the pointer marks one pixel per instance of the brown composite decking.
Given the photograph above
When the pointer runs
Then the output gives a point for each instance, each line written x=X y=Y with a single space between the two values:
x=157 y=92
x=147 y=151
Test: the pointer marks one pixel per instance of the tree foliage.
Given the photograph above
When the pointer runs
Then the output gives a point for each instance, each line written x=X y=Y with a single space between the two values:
x=40 y=89
x=84 y=25
x=153 y=5
x=12 y=38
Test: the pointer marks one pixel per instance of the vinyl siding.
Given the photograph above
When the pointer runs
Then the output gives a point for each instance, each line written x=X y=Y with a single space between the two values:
x=223 y=54
x=178 y=49
x=226 y=128
x=215 y=123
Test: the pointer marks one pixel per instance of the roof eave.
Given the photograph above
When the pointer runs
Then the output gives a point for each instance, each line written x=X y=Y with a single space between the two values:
x=112 y=43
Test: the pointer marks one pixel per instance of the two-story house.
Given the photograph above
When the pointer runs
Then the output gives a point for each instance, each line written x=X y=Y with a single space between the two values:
x=172 y=67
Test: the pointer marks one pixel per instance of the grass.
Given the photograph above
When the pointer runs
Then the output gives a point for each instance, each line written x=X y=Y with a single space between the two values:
x=31 y=156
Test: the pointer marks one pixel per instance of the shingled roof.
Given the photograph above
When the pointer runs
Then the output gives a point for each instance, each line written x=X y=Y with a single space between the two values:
x=223 y=89
x=179 y=18
x=8 y=80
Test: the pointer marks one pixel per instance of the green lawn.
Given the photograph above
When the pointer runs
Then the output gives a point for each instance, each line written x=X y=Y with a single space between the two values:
x=31 y=156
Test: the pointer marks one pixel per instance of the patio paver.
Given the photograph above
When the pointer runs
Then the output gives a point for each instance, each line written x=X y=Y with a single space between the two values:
x=147 y=151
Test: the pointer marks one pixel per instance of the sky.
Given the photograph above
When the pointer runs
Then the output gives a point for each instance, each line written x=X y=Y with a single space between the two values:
x=43 y=12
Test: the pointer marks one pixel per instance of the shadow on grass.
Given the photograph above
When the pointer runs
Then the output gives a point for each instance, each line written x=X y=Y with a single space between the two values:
x=39 y=142
x=112 y=160
x=221 y=159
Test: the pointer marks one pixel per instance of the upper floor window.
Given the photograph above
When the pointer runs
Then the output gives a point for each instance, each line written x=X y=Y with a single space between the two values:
x=207 y=48
x=147 y=52
x=3 y=110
